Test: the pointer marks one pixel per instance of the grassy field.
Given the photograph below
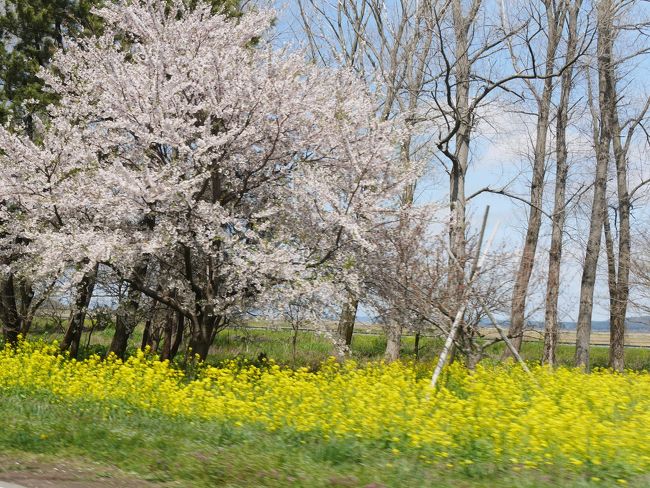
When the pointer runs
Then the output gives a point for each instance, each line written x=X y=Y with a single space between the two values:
x=73 y=440
x=313 y=348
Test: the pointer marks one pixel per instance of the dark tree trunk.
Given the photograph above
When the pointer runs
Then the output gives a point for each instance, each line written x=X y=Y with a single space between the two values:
x=27 y=307
x=204 y=330
x=8 y=310
x=127 y=314
x=84 y=293
x=178 y=336
x=146 y=335
x=200 y=346
x=169 y=333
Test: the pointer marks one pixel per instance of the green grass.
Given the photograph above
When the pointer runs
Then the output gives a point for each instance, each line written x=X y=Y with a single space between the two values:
x=208 y=454
x=313 y=348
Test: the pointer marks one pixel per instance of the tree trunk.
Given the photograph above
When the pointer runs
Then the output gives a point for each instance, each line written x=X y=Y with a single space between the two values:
x=460 y=158
x=16 y=307
x=127 y=314
x=146 y=334
x=294 y=344
x=527 y=261
x=621 y=289
x=598 y=208
x=27 y=306
x=587 y=285
x=393 y=342
x=84 y=293
x=551 y=320
x=551 y=325
x=347 y=320
x=200 y=345
x=9 y=310
x=169 y=332
x=178 y=336
x=203 y=333
x=616 y=325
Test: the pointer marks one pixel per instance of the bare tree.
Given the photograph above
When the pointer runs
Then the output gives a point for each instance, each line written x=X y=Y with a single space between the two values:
x=619 y=255
x=602 y=142
x=552 y=23
x=612 y=140
x=437 y=63
x=551 y=325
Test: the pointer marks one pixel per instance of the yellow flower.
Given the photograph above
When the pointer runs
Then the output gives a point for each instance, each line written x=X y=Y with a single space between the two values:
x=563 y=418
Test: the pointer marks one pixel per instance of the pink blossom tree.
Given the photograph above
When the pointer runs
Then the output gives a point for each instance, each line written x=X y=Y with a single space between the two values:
x=186 y=145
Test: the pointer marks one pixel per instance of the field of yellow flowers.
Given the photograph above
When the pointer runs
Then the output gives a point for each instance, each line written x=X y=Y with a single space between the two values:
x=597 y=423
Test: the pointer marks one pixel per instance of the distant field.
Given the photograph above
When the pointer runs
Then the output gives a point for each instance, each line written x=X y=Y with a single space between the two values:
x=567 y=337
x=634 y=339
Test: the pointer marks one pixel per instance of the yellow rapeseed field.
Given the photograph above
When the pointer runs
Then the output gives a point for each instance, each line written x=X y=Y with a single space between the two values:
x=560 y=418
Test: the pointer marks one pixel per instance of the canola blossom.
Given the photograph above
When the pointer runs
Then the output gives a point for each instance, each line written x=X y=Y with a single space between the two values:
x=565 y=418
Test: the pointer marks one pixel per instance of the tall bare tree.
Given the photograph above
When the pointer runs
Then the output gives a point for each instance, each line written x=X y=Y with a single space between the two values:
x=619 y=254
x=613 y=138
x=552 y=22
x=551 y=325
x=602 y=134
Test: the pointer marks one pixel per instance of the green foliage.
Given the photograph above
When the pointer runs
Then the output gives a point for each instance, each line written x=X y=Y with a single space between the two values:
x=231 y=8
x=31 y=31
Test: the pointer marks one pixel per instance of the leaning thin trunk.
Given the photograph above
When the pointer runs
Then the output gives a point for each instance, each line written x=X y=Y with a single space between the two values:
x=84 y=293
x=587 y=286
